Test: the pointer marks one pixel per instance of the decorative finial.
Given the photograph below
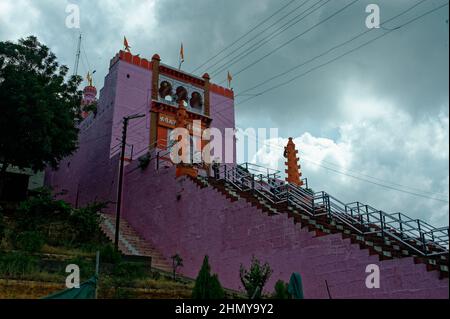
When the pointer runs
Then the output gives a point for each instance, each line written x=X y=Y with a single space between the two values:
x=89 y=78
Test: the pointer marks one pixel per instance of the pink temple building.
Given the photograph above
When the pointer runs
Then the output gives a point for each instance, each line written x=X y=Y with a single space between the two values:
x=215 y=216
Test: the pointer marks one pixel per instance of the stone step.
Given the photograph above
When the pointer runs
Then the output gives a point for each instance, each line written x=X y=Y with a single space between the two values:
x=130 y=243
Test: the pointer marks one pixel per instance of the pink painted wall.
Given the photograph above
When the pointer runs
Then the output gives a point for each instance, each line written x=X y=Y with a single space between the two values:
x=205 y=222
x=133 y=96
x=222 y=113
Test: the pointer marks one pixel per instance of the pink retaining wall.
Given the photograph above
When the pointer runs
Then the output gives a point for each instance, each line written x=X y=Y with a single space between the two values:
x=205 y=222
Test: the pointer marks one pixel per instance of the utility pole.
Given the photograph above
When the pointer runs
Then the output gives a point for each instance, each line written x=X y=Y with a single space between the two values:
x=120 y=185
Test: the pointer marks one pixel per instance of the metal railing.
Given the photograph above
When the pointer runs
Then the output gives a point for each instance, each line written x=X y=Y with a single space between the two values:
x=419 y=236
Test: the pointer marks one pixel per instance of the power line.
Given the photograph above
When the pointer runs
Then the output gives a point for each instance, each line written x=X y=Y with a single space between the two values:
x=242 y=93
x=342 y=55
x=252 y=96
x=264 y=30
x=330 y=50
x=297 y=19
x=294 y=38
x=243 y=36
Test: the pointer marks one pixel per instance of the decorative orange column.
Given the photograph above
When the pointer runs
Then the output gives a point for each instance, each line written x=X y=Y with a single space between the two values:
x=183 y=168
x=293 y=168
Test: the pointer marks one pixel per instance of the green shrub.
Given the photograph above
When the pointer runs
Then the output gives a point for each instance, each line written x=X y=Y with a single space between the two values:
x=207 y=286
x=17 y=263
x=30 y=241
x=108 y=254
x=129 y=270
x=85 y=223
x=40 y=211
x=254 y=279
x=281 y=290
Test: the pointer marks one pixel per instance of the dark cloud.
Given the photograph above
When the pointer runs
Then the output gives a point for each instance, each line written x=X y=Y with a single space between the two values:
x=386 y=104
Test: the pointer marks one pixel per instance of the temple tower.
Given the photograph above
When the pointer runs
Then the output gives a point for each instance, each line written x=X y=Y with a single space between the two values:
x=293 y=168
x=89 y=97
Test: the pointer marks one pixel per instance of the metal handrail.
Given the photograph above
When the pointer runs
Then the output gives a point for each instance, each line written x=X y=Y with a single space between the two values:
x=364 y=219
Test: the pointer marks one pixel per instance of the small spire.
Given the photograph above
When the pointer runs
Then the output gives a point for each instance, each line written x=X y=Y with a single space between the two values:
x=293 y=168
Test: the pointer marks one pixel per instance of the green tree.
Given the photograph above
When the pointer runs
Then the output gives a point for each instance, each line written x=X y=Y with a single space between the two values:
x=39 y=107
x=207 y=286
x=255 y=278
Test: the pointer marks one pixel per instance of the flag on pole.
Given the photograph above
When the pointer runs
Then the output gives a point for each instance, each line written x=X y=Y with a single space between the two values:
x=229 y=78
x=181 y=55
x=126 y=45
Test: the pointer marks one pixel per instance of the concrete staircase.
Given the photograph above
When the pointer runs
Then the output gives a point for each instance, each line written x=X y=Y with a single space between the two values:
x=322 y=226
x=131 y=244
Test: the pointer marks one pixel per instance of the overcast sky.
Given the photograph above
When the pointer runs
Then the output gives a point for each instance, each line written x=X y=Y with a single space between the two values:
x=380 y=113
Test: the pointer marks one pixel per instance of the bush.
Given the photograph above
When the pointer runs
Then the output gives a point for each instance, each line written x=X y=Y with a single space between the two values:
x=30 y=241
x=281 y=290
x=207 y=286
x=108 y=254
x=86 y=223
x=129 y=271
x=254 y=279
x=40 y=210
x=17 y=263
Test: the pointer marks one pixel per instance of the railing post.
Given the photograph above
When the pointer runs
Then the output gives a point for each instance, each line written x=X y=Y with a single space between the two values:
x=401 y=223
x=328 y=206
x=287 y=194
x=422 y=237
x=382 y=222
x=253 y=182
x=367 y=214
x=225 y=172
x=157 y=160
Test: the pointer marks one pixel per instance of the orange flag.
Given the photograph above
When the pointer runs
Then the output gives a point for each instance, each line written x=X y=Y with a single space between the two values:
x=182 y=53
x=181 y=56
x=229 y=78
x=125 y=44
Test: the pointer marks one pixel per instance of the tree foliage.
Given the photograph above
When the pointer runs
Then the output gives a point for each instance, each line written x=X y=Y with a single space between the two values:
x=57 y=221
x=207 y=286
x=255 y=278
x=38 y=106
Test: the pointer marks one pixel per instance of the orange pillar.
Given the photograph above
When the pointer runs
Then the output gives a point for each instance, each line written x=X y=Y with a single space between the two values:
x=293 y=168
